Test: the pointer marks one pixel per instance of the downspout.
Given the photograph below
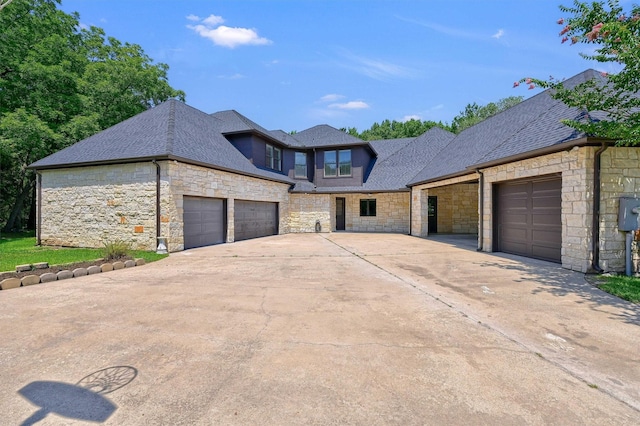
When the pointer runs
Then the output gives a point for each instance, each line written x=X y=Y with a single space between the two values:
x=481 y=210
x=410 y=209
x=595 y=224
x=157 y=198
x=39 y=208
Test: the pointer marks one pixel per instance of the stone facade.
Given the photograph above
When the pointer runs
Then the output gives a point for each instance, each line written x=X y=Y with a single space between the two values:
x=392 y=212
x=180 y=179
x=457 y=205
x=576 y=169
x=620 y=176
x=89 y=206
x=307 y=209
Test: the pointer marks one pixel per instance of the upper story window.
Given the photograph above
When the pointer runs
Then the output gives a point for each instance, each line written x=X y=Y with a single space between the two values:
x=301 y=165
x=274 y=158
x=337 y=163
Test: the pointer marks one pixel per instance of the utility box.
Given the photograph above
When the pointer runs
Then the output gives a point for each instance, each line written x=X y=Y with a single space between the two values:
x=628 y=217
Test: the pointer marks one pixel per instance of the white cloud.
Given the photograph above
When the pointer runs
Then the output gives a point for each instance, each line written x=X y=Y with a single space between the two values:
x=222 y=35
x=499 y=34
x=410 y=117
x=350 y=105
x=332 y=97
x=375 y=68
x=213 y=20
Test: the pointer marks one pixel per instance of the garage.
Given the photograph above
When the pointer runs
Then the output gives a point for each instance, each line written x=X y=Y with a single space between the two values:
x=253 y=219
x=528 y=218
x=205 y=221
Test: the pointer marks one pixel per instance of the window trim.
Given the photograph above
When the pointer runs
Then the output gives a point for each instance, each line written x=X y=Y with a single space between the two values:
x=370 y=207
x=273 y=157
x=337 y=164
x=296 y=164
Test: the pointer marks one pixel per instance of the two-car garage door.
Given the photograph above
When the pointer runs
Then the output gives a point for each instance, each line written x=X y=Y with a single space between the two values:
x=528 y=218
x=205 y=220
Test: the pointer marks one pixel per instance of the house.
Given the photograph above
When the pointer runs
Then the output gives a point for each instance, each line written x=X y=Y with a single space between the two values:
x=199 y=179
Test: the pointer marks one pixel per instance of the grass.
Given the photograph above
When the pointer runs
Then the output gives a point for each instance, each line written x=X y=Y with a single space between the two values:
x=627 y=288
x=21 y=249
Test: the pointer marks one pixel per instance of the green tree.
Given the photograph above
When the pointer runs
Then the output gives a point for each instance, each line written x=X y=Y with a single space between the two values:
x=60 y=84
x=392 y=129
x=474 y=113
x=615 y=36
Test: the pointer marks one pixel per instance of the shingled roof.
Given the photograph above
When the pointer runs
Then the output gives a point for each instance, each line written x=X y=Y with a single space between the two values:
x=171 y=130
x=326 y=136
x=529 y=126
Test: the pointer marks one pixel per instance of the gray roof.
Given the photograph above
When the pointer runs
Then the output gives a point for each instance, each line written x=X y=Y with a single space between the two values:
x=398 y=161
x=526 y=127
x=171 y=130
x=326 y=136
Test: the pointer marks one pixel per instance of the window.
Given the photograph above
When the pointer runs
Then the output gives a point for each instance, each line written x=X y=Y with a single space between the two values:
x=330 y=163
x=301 y=165
x=368 y=207
x=345 y=162
x=274 y=158
x=337 y=163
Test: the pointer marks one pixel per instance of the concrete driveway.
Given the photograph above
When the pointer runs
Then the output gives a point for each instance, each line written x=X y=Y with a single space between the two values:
x=321 y=329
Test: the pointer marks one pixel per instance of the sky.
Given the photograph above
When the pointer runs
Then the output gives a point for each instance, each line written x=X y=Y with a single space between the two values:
x=294 y=64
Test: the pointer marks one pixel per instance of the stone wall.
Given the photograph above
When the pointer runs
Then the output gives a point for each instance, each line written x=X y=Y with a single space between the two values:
x=306 y=209
x=457 y=205
x=576 y=168
x=88 y=206
x=185 y=179
x=620 y=177
x=392 y=212
x=457 y=208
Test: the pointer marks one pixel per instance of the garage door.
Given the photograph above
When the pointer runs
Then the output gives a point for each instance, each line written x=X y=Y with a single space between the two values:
x=205 y=221
x=253 y=219
x=528 y=218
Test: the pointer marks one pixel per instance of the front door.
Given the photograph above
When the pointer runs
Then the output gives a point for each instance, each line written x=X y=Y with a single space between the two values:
x=432 y=209
x=340 y=213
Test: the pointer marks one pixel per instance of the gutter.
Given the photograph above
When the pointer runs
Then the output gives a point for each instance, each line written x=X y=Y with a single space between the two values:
x=595 y=224
x=39 y=208
x=481 y=209
x=155 y=163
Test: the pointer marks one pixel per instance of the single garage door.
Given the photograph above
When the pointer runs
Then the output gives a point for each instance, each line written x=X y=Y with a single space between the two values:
x=205 y=221
x=528 y=218
x=253 y=219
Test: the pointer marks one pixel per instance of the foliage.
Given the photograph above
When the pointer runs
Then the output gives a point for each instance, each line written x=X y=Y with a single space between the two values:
x=615 y=36
x=21 y=249
x=388 y=129
x=116 y=249
x=627 y=288
x=474 y=113
x=59 y=84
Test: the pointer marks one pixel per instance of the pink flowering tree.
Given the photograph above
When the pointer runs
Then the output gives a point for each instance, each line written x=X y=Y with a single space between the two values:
x=615 y=36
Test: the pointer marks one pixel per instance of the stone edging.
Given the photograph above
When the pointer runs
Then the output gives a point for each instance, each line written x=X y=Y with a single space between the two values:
x=10 y=283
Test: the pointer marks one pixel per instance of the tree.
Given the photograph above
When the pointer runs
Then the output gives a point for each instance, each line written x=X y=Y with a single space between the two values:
x=474 y=113
x=392 y=129
x=615 y=35
x=60 y=84
x=4 y=3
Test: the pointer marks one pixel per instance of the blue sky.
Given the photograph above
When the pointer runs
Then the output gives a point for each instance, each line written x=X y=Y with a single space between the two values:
x=291 y=64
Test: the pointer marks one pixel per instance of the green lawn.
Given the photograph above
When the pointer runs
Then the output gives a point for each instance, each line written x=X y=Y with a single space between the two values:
x=21 y=249
x=627 y=288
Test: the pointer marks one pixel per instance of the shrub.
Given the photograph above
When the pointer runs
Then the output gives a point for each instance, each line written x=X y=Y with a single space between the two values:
x=116 y=249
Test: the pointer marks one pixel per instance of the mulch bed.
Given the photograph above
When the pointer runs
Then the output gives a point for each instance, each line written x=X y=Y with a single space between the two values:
x=57 y=268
